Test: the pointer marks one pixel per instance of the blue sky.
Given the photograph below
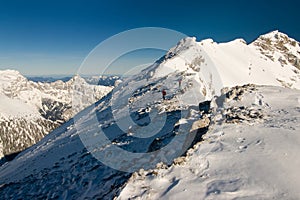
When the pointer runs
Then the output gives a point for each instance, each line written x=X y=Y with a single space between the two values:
x=54 y=37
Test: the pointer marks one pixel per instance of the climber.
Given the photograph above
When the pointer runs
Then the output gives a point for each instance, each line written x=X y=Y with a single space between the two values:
x=164 y=94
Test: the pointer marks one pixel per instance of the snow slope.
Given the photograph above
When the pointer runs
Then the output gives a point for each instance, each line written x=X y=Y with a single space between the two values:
x=11 y=106
x=132 y=122
x=15 y=107
x=249 y=157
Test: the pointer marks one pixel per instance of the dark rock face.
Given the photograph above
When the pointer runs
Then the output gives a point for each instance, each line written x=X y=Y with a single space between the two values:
x=204 y=107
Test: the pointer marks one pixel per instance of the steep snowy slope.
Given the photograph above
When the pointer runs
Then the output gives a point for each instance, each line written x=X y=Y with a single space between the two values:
x=30 y=110
x=134 y=129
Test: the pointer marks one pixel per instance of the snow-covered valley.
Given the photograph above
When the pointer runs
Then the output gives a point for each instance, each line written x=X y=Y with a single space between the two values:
x=133 y=144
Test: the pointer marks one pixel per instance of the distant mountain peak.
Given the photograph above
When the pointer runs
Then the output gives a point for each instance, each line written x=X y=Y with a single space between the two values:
x=278 y=46
x=182 y=45
x=77 y=79
x=274 y=34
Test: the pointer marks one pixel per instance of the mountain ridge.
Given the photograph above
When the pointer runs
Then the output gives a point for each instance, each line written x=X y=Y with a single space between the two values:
x=249 y=63
x=65 y=164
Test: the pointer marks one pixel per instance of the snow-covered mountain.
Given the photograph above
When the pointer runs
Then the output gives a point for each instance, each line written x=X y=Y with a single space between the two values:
x=272 y=59
x=29 y=110
x=106 y=80
x=134 y=129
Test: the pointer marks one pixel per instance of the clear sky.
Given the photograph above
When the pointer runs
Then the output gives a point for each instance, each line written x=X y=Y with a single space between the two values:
x=53 y=37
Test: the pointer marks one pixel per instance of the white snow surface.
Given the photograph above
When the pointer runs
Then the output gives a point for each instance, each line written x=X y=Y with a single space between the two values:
x=9 y=106
x=244 y=160
x=15 y=107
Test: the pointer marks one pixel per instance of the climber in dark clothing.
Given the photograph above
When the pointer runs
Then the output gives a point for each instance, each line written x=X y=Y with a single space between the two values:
x=164 y=94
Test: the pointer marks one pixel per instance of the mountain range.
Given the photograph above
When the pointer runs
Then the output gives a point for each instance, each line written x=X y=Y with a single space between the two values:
x=29 y=110
x=133 y=144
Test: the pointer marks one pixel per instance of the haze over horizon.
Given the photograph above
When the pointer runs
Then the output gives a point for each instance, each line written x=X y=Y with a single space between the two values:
x=53 y=37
